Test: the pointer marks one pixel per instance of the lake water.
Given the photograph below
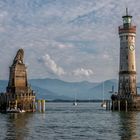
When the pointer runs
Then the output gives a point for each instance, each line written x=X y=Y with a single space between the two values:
x=63 y=121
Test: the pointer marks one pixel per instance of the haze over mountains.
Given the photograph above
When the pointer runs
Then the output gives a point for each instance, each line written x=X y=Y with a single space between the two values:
x=51 y=89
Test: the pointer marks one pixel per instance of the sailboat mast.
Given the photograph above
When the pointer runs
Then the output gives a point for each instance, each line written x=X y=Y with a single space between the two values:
x=75 y=97
x=103 y=91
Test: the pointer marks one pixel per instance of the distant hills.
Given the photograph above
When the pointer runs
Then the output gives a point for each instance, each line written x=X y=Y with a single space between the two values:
x=84 y=90
x=52 y=89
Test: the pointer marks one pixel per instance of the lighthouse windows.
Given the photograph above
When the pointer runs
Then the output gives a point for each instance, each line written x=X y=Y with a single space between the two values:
x=126 y=37
x=121 y=37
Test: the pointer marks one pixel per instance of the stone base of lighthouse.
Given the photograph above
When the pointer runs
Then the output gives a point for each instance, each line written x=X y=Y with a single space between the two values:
x=122 y=103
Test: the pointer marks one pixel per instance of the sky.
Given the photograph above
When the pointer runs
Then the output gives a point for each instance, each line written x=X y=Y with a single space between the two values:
x=71 y=40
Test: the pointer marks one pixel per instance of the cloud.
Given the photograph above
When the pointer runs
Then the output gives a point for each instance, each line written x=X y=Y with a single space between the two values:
x=64 y=46
x=83 y=72
x=52 y=66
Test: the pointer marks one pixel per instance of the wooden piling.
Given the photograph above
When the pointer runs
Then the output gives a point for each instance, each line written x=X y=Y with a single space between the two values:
x=113 y=105
x=106 y=102
x=9 y=104
x=118 y=105
x=126 y=105
x=15 y=104
x=39 y=105
x=43 y=105
x=34 y=105
x=109 y=106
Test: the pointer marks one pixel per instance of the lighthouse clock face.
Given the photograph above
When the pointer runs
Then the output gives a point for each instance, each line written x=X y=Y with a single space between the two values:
x=131 y=47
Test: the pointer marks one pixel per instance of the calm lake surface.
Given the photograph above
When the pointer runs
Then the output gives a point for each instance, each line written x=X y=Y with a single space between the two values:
x=63 y=121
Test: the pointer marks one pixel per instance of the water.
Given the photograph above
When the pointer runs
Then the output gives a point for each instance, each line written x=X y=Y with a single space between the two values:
x=63 y=121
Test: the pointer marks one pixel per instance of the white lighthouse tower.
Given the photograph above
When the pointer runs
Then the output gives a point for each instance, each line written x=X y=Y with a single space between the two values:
x=127 y=69
x=127 y=97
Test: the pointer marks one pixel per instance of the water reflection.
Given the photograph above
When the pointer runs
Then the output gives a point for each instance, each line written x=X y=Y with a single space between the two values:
x=63 y=121
x=129 y=126
x=16 y=126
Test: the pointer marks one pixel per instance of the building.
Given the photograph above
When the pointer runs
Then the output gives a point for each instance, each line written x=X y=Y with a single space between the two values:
x=127 y=97
x=18 y=94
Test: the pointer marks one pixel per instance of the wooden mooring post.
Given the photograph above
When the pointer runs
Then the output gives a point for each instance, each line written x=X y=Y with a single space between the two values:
x=113 y=105
x=41 y=105
x=126 y=105
x=108 y=105
x=118 y=105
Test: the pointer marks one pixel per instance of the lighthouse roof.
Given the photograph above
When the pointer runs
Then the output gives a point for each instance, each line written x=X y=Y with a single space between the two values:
x=127 y=14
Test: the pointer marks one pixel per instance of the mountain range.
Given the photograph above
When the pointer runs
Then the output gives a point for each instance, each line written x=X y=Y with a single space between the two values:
x=53 y=89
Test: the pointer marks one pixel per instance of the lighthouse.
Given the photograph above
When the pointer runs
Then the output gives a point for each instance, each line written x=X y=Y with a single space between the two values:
x=127 y=97
x=127 y=68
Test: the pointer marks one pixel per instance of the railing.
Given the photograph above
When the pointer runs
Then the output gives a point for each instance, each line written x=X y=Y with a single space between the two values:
x=131 y=29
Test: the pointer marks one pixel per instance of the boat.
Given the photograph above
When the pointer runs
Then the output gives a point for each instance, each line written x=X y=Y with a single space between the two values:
x=103 y=104
x=14 y=110
x=22 y=111
x=75 y=103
